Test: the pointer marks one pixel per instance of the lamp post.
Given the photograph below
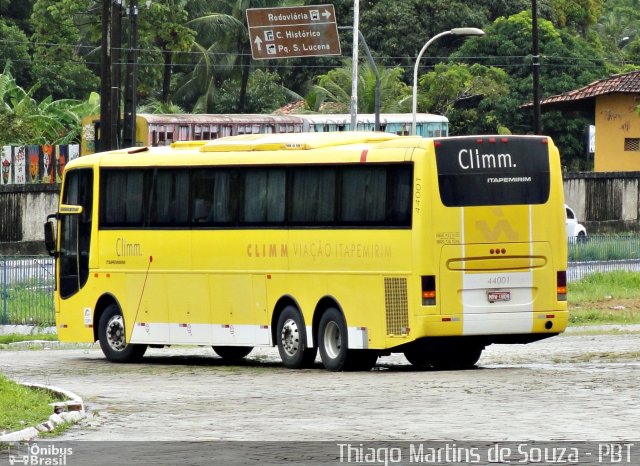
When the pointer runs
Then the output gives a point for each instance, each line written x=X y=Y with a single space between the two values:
x=454 y=32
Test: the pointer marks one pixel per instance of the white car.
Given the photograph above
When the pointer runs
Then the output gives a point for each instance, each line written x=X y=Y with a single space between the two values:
x=575 y=230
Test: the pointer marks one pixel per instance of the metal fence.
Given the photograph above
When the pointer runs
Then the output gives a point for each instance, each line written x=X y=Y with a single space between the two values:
x=602 y=254
x=27 y=282
x=26 y=288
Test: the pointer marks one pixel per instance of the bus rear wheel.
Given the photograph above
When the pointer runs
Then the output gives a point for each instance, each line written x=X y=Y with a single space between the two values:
x=333 y=343
x=232 y=353
x=291 y=336
x=112 y=337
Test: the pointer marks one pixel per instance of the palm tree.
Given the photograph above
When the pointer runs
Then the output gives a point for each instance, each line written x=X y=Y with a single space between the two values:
x=335 y=86
x=223 y=42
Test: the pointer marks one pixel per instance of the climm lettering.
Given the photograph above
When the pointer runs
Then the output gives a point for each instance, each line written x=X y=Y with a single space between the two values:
x=126 y=249
x=267 y=250
x=472 y=159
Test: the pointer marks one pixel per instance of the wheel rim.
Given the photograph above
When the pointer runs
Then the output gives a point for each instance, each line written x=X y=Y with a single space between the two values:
x=332 y=340
x=115 y=333
x=290 y=337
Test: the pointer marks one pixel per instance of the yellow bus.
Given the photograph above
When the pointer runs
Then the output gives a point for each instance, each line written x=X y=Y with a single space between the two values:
x=353 y=244
x=163 y=129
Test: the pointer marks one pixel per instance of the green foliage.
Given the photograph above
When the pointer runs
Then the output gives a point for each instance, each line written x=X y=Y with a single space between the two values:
x=568 y=62
x=14 y=48
x=576 y=14
x=18 y=337
x=605 y=248
x=158 y=106
x=24 y=120
x=264 y=95
x=59 y=68
x=163 y=31
x=222 y=41
x=465 y=94
x=336 y=86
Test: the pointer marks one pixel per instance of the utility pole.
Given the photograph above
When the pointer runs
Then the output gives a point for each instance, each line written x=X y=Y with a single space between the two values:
x=116 y=73
x=354 y=64
x=537 y=127
x=129 y=131
x=104 y=140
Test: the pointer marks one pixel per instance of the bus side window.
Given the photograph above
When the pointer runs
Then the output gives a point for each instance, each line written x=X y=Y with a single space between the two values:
x=313 y=196
x=123 y=197
x=215 y=190
x=264 y=196
x=169 y=199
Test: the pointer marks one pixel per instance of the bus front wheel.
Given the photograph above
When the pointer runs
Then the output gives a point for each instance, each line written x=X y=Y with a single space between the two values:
x=112 y=336
x=292 y=340
x=333 y=344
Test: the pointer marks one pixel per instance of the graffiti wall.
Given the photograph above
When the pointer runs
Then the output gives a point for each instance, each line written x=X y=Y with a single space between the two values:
x=35 y=164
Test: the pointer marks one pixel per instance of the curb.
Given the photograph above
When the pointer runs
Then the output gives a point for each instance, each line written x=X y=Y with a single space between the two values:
x=64 y=412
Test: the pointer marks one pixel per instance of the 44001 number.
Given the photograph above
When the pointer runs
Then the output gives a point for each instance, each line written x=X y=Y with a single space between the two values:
x=498 y=280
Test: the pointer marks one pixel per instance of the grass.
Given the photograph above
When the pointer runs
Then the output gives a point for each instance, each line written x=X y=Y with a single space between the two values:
x=29 y=303
x=603 y=248
x=22 y=407
x=15 y=337
x=605 y=298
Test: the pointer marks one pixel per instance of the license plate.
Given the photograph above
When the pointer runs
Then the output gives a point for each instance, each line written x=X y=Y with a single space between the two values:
x=495 y=296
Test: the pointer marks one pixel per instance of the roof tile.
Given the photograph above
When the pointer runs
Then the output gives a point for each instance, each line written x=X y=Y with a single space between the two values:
x=627 y=83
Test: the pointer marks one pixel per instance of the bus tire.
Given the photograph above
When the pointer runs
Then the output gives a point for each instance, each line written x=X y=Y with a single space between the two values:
x=291 y=337
x=112 y=337
x=232 y=353
x=333 y=342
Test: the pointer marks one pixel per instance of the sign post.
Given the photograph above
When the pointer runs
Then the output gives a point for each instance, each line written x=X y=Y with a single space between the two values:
x=288 y=32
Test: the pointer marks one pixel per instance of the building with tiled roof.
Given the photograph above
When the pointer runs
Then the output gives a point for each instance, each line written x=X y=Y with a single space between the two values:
x=613 y=101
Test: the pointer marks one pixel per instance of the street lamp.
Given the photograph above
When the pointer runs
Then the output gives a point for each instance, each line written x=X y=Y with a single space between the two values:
x=455 y=32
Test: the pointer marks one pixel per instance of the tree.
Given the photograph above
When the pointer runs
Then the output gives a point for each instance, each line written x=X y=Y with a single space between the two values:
x=14 y=48
x=568 y=62
x=264 y=94
x=617 y=31
x=17 y=13
x=578 y=15
x=467 y=95
x=59 y=67
x=335 y=86
x=223 y=42
x=163 y=27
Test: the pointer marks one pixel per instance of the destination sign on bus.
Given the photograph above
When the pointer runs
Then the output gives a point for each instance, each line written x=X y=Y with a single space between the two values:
x=288 y=32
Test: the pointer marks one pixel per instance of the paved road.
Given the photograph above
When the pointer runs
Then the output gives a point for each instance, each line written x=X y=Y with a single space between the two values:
x=573 y=387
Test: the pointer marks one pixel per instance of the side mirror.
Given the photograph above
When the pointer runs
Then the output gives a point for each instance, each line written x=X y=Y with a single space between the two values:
x=50 y=237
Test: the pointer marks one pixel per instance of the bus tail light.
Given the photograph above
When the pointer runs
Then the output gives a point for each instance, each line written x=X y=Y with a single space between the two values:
x=429 y=290
x=561 y=284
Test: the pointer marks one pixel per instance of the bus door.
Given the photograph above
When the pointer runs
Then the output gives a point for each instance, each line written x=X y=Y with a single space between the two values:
x=74 y=230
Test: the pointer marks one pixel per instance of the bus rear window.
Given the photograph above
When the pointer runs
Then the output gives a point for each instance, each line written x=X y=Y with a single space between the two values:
x=492 y=171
